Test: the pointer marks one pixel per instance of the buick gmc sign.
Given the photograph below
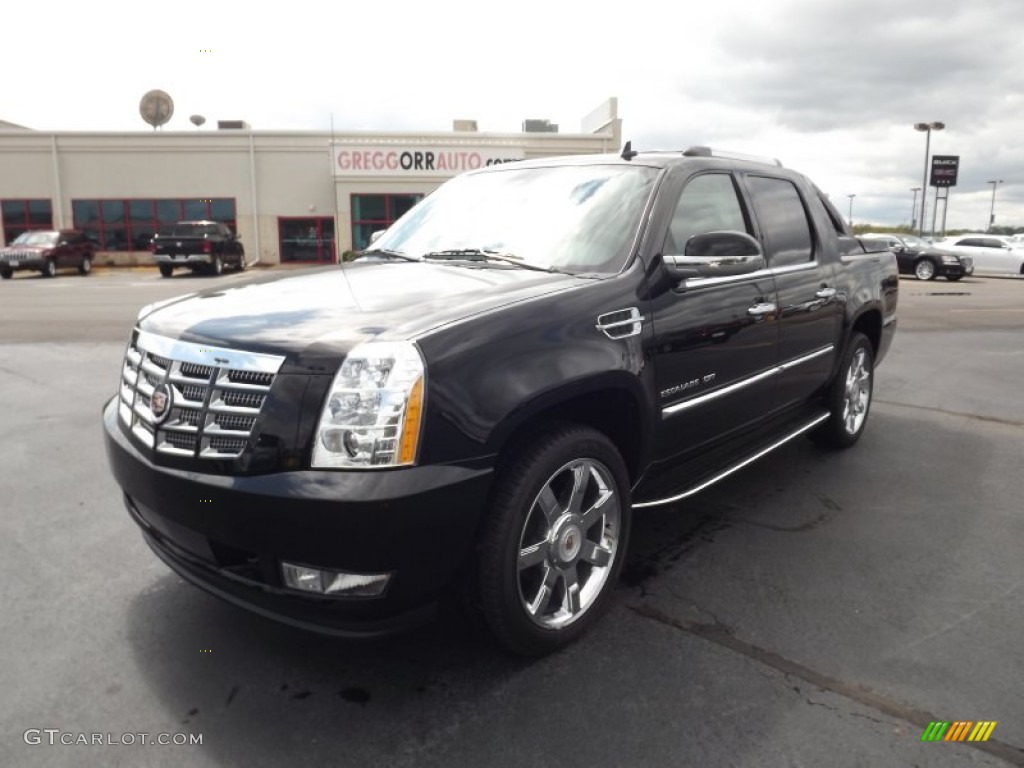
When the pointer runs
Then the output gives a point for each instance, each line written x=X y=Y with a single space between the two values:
x=944 y=170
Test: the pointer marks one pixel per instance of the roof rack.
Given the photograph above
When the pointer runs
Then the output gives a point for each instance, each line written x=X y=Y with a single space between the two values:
x=700 y=151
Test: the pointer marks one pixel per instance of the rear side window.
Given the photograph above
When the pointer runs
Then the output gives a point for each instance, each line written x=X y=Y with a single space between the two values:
x=708 y=203
x=783 y=219
x=193 y=230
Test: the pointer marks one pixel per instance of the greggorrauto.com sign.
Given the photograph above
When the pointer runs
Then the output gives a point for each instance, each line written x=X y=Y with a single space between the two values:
x=417 y=160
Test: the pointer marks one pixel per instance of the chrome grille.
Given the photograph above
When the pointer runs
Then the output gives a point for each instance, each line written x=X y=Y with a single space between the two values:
x=213 y=409
x=250 y=377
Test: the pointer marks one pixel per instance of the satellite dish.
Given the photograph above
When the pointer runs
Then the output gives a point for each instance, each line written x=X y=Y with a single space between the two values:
x=156 y=108
x=197 y=120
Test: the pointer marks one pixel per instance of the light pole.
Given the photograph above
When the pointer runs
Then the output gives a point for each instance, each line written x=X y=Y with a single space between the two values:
x=913 y=208
x=850 y=216
x=992 y=210
x=927 y=128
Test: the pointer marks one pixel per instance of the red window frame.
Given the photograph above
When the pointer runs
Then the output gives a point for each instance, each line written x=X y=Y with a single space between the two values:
x=154 y=224
x=26 y=225
x=389 y=212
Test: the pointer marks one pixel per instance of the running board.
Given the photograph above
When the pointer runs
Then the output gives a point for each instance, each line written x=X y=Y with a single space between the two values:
x=738 y=466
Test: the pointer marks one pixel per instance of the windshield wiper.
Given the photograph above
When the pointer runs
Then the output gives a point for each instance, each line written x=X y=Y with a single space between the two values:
x=386 y=253
x=482 y=254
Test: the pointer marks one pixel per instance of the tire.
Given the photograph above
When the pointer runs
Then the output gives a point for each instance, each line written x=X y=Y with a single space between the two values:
x=540 y=539
x=85 y=268
x=849 y=396
x=166 y=270
x=241 y=262
x=216 y=267
x=50 y=270
x=6 y=273
x=924 y=269
x=953 y=278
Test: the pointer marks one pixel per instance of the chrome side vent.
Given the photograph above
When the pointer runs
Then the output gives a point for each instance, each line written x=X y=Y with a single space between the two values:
x=620 y=324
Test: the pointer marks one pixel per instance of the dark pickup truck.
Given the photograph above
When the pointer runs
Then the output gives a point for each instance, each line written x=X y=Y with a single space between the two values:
x=478 y=406
x=198 y=245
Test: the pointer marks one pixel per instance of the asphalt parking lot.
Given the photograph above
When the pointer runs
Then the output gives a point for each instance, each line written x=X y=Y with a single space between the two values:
x=818 y=610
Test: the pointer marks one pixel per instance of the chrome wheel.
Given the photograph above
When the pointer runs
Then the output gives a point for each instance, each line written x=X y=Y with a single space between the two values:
x=858 y=392
x=86 y=266
x=50 y=270
x=568 y=543
x=924 y=270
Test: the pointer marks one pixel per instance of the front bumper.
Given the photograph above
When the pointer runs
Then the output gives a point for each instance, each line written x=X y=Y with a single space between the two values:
x=229 y=534
x=36 y=264
x=953 y=270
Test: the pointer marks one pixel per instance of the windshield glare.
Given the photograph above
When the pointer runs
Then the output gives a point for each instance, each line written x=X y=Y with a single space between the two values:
x=573 y=218
x=914 y=242
x=36 y=238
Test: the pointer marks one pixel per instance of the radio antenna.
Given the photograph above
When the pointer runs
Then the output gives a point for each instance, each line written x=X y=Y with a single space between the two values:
x=334 y=199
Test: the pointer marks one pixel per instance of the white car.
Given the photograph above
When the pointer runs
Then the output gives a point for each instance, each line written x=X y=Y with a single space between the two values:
x=990 y=253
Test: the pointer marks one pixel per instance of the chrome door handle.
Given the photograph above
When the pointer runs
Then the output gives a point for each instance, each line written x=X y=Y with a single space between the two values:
x=760 y=310
x=826 y=293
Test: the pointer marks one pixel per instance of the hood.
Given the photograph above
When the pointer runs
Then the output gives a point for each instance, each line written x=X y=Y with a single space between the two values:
x=316 y=318
x=27 y=248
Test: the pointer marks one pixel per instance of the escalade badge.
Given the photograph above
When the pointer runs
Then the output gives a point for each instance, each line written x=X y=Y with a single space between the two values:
x=160 y=402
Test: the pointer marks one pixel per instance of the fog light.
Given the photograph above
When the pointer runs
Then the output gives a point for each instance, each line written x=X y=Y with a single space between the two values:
x=305 y=579
x=302 y=578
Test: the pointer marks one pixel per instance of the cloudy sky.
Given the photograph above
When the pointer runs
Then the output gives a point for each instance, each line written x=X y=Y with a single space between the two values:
x=831 y=88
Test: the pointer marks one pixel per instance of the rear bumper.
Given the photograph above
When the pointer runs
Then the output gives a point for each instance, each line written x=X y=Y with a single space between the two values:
x=183 y=259
x=229 y=534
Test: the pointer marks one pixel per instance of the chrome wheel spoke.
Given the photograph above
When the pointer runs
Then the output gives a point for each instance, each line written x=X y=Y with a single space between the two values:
x=571 y=600
x=580 y=478
x=548 y=505
x=596 y=511
x=533 y=555
x=596 y=555
x=542 y=599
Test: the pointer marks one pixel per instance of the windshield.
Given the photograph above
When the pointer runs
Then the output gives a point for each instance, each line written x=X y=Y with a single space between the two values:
x=36 y=238
x=573 y=218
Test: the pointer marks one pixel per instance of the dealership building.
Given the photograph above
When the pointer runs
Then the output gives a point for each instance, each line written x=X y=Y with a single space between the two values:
x=292 y=196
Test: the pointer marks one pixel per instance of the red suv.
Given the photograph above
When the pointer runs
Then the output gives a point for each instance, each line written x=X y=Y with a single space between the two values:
x=46 y=250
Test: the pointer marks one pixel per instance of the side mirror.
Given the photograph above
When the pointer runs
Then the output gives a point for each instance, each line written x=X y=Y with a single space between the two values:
x=375 y=236
x=717 y=254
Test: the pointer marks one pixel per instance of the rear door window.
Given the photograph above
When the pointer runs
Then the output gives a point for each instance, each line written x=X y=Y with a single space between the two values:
x=783 y=219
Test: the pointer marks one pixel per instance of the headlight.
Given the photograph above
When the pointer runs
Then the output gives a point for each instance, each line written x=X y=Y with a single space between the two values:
x=949 y=258
x=372 y=415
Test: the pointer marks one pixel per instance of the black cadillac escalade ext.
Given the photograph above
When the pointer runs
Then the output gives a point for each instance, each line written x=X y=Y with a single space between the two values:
x=523 y=360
